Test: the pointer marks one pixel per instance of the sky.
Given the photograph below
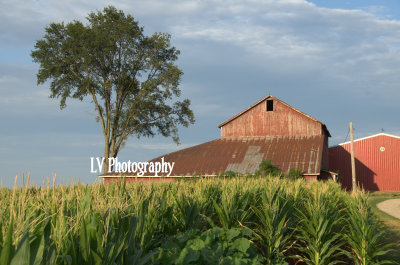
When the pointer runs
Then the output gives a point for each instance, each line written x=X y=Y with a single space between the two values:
x=337 y=61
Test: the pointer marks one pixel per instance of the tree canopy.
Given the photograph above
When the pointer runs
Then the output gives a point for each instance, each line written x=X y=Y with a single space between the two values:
x=131 y=78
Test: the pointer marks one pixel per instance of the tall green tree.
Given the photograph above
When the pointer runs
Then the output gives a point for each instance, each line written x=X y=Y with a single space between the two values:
x=131 y=78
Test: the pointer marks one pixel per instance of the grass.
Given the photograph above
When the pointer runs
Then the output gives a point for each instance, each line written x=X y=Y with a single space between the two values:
x=391 y=223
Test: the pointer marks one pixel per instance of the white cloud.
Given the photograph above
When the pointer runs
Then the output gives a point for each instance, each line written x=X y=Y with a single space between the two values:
x=161 y=146
x=282 y=37
x=329 y=63
x=296 y=36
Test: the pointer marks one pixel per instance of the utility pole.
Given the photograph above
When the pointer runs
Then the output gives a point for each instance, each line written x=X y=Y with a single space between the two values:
x=353 y=165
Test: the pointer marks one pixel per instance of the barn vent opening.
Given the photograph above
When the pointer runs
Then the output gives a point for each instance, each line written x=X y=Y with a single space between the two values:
x=270 y=105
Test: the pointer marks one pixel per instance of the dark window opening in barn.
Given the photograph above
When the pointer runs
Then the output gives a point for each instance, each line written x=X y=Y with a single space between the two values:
x=270 y=105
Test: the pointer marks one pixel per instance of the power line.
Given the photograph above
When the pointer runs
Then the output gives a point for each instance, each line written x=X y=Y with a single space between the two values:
x=348 y=131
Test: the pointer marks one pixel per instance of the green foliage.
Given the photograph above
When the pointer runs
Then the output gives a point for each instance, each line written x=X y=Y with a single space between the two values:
x=233 y=209
x=187 y=212
x=365 y=234
x=273 y=232
x=205 y=221
x=131 y=78
x=229 y=174
x=321 y=218
x=294 y=174
x=34 y=248
x=266 y=168
x=7 y=250
x=214 y=246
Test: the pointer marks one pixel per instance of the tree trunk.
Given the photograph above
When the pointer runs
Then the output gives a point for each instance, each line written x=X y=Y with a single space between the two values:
x=106 y=156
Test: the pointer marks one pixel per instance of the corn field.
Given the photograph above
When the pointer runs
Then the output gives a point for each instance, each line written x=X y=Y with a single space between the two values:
x=242 y=220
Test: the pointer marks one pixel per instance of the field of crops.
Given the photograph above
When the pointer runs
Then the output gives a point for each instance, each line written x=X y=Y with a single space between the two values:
x=206 y=221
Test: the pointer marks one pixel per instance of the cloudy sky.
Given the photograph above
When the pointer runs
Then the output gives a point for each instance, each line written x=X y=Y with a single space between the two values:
x=337 y=61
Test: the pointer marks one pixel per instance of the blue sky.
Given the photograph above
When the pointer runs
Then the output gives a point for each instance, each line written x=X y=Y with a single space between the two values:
x=337 y=61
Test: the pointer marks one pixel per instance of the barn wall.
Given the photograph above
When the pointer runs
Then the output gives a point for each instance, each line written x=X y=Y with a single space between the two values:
x=375 y=170
x=325 y=153
x=310 y=178
x=109 y=180
x=282 y=121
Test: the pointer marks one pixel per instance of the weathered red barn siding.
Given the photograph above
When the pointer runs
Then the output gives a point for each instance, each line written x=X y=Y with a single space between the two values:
x=113 y=179
x=325 y=154
x=283 y=120
x=375 y=169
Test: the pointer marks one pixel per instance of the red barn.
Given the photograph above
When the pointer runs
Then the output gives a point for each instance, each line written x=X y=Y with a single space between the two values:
x=377 y=160
x=269 y=129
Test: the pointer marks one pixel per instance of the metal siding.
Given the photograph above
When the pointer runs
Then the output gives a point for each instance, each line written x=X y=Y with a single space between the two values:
x=282 y=121
x=375 y=170
x=325 y=154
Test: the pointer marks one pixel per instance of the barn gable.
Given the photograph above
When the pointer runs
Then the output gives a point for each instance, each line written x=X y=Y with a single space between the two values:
x=271 y=117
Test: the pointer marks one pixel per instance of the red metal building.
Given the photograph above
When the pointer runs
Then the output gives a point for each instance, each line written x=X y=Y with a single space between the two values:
x=269 y=129
x=377 y=160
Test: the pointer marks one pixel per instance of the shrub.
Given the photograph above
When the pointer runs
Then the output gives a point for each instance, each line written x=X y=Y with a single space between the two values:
x=295 y=174
x=266 y=168
x=229 y=174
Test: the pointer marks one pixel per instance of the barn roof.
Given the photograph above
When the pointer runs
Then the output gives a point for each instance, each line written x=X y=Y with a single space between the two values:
x=371 y=136
x=272 y=97
x=243 y=155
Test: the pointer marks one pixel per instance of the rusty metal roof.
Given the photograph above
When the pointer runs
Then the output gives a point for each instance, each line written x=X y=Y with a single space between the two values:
x=272 y=97
x=243 y=155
